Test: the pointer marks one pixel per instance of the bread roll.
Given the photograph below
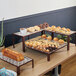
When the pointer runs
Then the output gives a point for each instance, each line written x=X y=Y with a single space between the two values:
x=12 y=54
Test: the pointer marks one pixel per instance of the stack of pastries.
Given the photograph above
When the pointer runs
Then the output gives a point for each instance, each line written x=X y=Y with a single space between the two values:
x=38 y=27
x=41 y=44
x=60 y=41
x=33 y=29
x=44 y=25
x=59 y=29
x=12 y=54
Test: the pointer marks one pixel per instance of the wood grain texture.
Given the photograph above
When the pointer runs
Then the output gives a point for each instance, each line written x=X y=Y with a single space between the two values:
x=41 y=64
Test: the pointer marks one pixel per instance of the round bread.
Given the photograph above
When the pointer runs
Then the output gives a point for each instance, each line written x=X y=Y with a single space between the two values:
x=61 y=41
x=55 y=39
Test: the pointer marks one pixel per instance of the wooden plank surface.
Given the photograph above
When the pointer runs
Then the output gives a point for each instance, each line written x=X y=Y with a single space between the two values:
x=42 y=66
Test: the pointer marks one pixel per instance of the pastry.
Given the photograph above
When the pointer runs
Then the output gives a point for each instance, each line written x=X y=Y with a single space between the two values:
x=68 y=30
x=49 y=38
x=12 y=54
x=53 y=27
x=37 y=28
x=27 y=43
x=61 y=41
x=55 y=39
x=64 y=29
x=47 y=50
x=43 y=36
x=45 y=24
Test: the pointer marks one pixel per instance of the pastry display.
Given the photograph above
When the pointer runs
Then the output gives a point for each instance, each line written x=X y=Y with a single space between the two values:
x=61 y=41
x=59 y=29
x=12 y=54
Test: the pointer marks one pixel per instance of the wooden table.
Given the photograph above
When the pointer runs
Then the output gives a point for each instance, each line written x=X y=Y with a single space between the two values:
x=42 y=66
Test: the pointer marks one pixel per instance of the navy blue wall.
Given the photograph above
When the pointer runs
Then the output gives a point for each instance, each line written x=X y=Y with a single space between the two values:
x=63 y=17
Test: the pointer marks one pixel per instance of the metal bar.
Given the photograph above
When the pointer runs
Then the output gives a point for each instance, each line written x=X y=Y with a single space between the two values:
x=18 y=70
x=32 y=63
x=48 y=57
x=23 y=43
x=13 y=40
x=75 y=39
x=68 y=42
x=52 y=34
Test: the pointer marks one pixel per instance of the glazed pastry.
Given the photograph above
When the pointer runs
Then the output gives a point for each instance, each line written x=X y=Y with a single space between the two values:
x=43 y=36
x=47 y=50
x=68 y=30
x=61 y=41
x=55 y=39
x=49 y=38
x=64 y=29
x=12 y=54
x=27 y=43
x=53 y=27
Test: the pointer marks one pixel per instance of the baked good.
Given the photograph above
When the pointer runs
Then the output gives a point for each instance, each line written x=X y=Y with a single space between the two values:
x=37 y=28
x=40 y=26
x=53 y=27
x=12 y=54
x=64 y=29
x=48 y=28
x=45 y=24
x=61 y=41
x=43 y=36
x=55 y=39
x=47 y=50
x=49 y=38
x=68 y=30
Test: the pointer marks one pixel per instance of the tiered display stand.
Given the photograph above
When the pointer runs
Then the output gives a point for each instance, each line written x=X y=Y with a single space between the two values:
x=18 y=64
x=43 y=32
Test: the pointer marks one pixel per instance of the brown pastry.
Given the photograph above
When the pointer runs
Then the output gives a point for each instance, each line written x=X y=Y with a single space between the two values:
x=12 y=54
x=55 y=39
x=61 y=41
x=46 y=24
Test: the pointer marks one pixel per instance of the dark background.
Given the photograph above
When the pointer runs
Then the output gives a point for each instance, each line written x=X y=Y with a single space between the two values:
x=63 y=17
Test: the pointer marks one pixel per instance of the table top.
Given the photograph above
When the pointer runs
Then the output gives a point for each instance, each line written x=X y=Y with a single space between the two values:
x=42 y=66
